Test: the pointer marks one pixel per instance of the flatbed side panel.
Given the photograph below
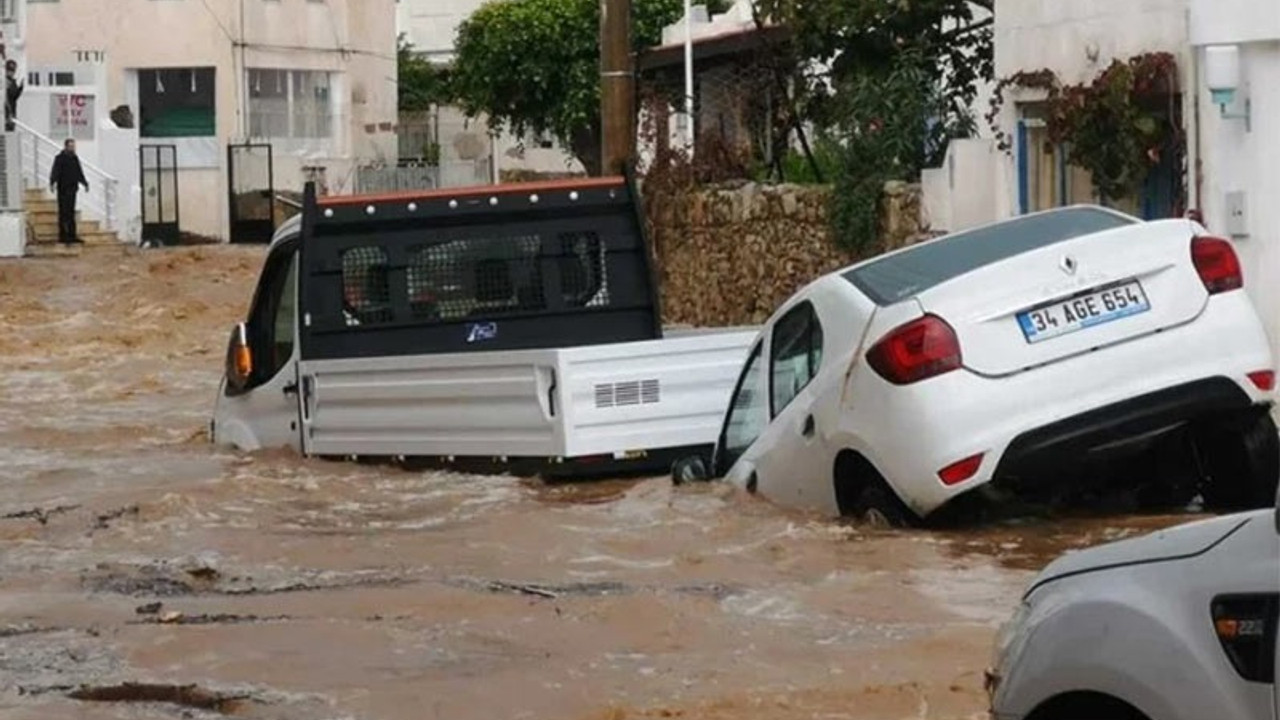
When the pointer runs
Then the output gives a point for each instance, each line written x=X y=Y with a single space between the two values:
x=499 y=404
x=649 y=395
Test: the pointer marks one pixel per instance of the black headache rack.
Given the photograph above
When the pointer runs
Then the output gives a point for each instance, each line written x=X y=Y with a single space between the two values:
x=503 y=267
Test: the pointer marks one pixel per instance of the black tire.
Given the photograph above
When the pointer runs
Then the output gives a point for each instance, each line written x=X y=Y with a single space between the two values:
x=862 y=494
x=1240 y=460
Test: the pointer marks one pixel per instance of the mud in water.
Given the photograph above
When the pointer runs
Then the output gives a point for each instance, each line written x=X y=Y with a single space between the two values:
x=144 y=574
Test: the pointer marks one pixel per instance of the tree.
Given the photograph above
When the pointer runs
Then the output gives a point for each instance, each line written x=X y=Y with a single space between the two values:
x=848 y=40
x=422 y=83
x=534 y=65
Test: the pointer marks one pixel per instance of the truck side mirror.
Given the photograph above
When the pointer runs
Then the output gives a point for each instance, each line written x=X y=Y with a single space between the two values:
x=239 y=358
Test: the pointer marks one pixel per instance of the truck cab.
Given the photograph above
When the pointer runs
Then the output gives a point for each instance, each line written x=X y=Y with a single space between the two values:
x=516 y=325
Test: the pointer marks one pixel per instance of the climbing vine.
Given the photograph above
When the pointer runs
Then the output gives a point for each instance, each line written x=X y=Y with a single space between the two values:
x=1118 y=127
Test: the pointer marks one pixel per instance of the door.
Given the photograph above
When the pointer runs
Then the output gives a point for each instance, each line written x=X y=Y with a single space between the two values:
x=747 y=417
x=251 y=192
x=264 y=414
x=159 y=180
x=792 y=465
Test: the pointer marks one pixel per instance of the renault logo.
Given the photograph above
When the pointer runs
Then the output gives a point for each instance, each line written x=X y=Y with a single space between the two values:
x=1068 y=265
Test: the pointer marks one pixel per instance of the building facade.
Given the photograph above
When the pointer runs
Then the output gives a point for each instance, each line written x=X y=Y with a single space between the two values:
x=468 y=151
x=314 y=79
x=1238 y=138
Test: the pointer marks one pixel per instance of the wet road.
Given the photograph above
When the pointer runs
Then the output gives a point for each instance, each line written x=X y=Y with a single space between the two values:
x=145 y=575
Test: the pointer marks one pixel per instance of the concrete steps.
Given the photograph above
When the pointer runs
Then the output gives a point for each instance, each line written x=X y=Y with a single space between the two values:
x=42 y=223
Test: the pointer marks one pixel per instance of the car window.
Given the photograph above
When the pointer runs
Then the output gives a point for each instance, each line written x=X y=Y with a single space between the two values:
x=796 y=355
x=271 y=319
x=285 y=317
x=910 y=272
x=747 y=413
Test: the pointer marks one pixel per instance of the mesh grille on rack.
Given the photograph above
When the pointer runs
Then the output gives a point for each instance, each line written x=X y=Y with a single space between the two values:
x=583 y=278
x=366 y=294
x=476 y=277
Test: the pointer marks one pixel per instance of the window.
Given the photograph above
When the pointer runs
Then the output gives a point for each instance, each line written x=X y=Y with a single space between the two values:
x=476 y=277
x=366 y=292
x=796 y=353
x=285 y=318
x=271 y=320
x=289 y=104
x=899 y=276
x=177 y=102
x=746 y=415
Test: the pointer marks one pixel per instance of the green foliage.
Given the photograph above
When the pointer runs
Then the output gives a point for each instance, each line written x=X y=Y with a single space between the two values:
x=421 y=83
x=891 y=82
x=796 y=167
x=882 y=135
x=534 y=65
x=1117 y=127
x=848 y=38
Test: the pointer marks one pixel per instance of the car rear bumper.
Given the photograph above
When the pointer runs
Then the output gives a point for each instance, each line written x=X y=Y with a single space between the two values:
x=1052 y=413
x=1045 y=448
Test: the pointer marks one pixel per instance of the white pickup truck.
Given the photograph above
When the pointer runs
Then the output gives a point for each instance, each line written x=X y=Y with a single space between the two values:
x=514 y=327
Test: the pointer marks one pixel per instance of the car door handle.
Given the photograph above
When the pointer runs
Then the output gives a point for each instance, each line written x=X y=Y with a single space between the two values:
x=291 y=389
x=809 y=427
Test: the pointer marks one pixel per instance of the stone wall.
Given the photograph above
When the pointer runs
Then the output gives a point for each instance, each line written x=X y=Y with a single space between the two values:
x=731 y=255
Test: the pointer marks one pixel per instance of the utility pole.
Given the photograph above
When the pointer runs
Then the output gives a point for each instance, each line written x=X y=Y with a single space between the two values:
x=617 y=86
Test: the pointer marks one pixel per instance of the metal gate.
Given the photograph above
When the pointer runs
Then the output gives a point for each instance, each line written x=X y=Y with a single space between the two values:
x=251 y=192
x=159 y=165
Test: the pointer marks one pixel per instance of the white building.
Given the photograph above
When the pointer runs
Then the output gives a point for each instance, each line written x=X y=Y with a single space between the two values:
x=1240 y=173
x=467 y=152
x=1076 y=40
x=316 y=79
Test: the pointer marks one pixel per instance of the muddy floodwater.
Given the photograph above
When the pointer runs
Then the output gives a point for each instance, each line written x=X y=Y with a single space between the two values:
x=144 y=574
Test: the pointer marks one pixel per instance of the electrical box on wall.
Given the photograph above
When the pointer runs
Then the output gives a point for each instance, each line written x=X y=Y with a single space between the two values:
x=1237 y=215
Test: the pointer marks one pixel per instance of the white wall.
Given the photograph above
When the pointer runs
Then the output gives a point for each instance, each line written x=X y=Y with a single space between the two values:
x=1077 y=39
x=962 y=193
x=1236 y=159
x=432 y=26
x=354 y=39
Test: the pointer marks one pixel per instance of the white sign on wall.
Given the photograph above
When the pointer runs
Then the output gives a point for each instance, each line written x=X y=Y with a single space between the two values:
x=71 y=116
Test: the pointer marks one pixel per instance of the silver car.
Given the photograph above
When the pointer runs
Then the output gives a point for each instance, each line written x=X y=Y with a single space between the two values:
x=1177 y=625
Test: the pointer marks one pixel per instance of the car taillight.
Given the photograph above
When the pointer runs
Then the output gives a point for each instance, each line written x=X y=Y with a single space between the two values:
x=958 y=472
x=1217 y=264
x=1246 y=627
x=1264 y=380
x=920 y=349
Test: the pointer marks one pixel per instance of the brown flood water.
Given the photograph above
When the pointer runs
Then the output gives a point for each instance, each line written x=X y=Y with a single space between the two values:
x=290 y=588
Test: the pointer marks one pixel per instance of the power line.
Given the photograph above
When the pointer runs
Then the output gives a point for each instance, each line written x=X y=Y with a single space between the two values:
x=217 y=20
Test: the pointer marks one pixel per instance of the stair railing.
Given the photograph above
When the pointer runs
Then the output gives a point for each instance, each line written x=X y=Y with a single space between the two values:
x=38 y=153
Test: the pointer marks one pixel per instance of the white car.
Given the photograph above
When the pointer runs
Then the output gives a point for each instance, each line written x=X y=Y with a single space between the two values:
x=1018 y=353
x=1178 y=625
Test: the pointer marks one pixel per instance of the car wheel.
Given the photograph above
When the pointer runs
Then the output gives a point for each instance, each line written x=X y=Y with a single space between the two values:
x=863 y=495
x=1240 y=462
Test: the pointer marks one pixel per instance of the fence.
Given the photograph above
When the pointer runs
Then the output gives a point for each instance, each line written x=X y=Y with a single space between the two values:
x=394 y=179
x=740 y=97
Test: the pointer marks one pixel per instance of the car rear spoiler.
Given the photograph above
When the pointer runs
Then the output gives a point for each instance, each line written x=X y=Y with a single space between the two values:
x=398 y=228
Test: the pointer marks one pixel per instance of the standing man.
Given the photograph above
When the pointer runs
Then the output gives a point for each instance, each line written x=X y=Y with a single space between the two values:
x=13 y=91
x=65 y=179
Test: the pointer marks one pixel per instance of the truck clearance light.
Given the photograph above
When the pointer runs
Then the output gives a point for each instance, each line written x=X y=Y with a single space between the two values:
x=1246 y=627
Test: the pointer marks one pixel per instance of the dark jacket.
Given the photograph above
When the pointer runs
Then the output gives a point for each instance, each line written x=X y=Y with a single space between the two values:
x=67 y=173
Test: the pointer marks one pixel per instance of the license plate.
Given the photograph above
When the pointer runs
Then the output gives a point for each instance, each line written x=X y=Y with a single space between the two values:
x=1083 y=311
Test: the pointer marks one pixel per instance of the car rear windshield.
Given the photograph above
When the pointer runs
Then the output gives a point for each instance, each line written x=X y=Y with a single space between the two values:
x=896 y=277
